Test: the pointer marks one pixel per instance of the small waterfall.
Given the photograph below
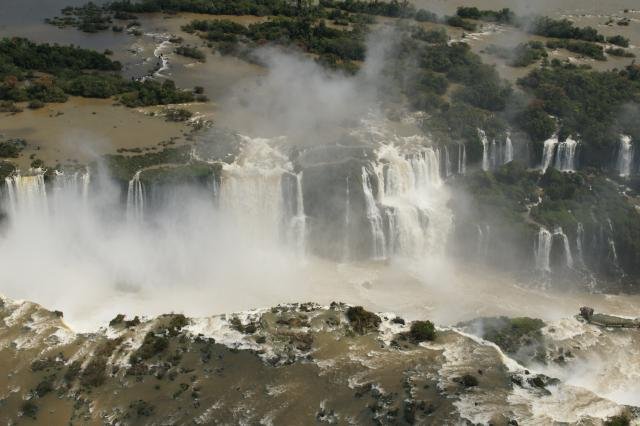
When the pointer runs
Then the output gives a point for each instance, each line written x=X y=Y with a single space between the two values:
x=485 y=150
x=298 y=225
x=374 y=217
x=462 y=159
x=347 y=223
x=566 y=155
x=565 y=243
x=494 y=154
x=72 y=183
x=543 y=250
x=625 y=156
x=27 y=193
x=484 y=238
x=447 y=163
x=135 y=198
x=580 y=242
x=548 y=152
x=508 y=149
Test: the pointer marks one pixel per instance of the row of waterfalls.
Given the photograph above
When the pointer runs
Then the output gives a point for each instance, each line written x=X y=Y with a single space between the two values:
x=495 y=153
x=561 y=155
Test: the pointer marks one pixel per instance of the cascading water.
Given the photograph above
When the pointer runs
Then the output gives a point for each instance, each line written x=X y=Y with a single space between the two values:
x=374 y=217
x=462 y=159
x=543 y=247
x=485 y=150
x=135 y=198
x=548 y=152
x=625 y=156
x=543 y=250
x=508 y=149
x=410 y=189
x=580 y=242
x=298 y=226
x=447 y=163
x=27 y=194
x=566 y=155
x=484 y=239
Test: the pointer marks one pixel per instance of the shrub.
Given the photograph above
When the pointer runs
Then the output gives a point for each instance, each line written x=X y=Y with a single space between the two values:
x=422 y=331
x=361 y=320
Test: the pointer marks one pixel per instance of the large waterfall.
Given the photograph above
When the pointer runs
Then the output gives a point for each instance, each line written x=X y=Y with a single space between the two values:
x=566 y=155
x=410 y=190
x=625 y=156
x=27 y=193
x=485 y=150
x=374 y=217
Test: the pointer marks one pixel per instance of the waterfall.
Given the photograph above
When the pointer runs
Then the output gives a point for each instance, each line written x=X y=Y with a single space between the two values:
x=485 y=150
x=72 y=183
x=347 y=223
x=493 y=155
x=484 y=237
x=580 y=242
x=565 y=243
x=547 y=152
x=462 y=159
x=508 y=149
x=447 y=163
x=625 y=156
x=566 y=155
x=298 y=225
x=27 y=193
x=135 y=198
x=543 y=250
x=251 y=191
x=374 y=217
x=410 y=190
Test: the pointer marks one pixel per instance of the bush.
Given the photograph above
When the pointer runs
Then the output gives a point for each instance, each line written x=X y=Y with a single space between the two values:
x=422 y=331
x=191 y=52
x=362 y=321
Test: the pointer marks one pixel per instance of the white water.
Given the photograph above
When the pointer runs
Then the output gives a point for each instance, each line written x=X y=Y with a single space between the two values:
x=447 y=163
x=548 y=152
x=374 y=217
x=411 y=186
x=462 y=159
x=485 y=150
x=508 y=149
x=580 y=242
x=543 y=247
x=625 y=156
x=135 y=199
x=543 y=250
x=298 y=225
x=566 y=155
x=27 y=193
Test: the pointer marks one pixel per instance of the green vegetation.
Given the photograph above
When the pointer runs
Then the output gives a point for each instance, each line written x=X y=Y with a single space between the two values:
x=522 y=55
x=564 y=29
x=191 y=52
x=124 y=167
x=152 y=345
x=11 y=148
x=586 y=48
x=211 y=7
x=619 y=52
x=505 y=15
x=456 y=21
x=618 y=40
x=94 y=374
x=42 y=73
x=512 y=334
x=361 y=320
x=422 y=331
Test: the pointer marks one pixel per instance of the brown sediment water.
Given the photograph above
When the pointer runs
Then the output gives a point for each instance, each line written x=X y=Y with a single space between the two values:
x=80 y=129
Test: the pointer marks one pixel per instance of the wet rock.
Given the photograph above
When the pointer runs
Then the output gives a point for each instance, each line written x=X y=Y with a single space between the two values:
x=361 y=320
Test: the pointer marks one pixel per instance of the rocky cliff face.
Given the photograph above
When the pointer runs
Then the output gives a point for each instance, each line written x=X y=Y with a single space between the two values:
x=291 y=364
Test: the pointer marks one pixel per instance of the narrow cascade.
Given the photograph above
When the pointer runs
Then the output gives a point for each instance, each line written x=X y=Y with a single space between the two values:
x=548 y=152
x=494 y=155
x=508 y=149
x=484 y=238
x=566 y=155
x=27 y=194
x=625 y=156
x=447 y=163
x=565 y=243
x=543 y=250
x=347 y=223
x=374 y=217
x=580 y=242
x=135 y=198
x=410 y=190
x=298 y=225
x=485 y=150
x=462 y=159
